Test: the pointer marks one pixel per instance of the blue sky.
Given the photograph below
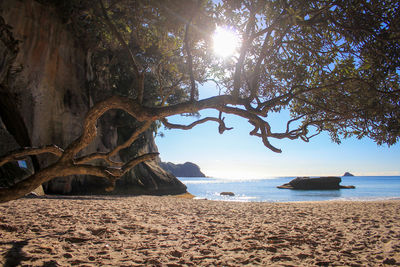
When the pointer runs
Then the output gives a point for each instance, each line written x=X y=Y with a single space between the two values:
x=236 y=154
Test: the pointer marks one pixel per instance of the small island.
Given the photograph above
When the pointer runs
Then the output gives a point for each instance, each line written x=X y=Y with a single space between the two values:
x=320 y=183
x=347 y=174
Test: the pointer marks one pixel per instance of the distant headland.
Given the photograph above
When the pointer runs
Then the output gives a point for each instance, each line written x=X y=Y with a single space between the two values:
x=187 y=169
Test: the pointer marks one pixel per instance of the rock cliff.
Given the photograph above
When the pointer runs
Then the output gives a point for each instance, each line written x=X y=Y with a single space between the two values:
x=188 y=169
x=49 y=96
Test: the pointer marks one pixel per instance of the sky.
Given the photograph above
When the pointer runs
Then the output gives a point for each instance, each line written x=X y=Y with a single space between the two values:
x=236 y=154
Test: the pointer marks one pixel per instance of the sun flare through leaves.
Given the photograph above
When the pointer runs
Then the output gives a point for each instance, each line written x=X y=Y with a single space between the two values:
x=225 y=42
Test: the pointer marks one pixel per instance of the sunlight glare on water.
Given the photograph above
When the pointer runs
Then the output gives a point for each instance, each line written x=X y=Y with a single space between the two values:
x=367 y=188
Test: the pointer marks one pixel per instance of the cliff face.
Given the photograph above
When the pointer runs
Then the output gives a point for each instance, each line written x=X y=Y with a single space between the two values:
x=51 y=96
x=50 y=89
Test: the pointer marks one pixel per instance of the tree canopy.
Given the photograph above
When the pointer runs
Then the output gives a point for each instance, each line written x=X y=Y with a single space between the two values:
x=333 y=64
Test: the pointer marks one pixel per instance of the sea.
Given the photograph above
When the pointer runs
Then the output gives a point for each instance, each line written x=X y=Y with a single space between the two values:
x=368 y=188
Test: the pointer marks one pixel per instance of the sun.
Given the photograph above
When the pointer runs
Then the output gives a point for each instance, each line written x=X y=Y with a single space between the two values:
x=225 y=42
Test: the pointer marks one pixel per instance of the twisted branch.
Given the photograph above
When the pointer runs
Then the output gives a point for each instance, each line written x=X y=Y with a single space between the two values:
x=106 y=156
x=222 y=127
x=30 y=151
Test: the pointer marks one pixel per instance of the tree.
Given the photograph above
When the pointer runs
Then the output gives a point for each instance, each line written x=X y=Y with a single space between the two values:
x=333 y=64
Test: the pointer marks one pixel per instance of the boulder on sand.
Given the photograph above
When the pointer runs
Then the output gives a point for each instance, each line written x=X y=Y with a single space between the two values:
x=320 y=183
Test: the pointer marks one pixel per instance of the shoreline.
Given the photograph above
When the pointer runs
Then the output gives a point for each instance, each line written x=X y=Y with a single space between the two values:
x=173 y=231
x=188 y=195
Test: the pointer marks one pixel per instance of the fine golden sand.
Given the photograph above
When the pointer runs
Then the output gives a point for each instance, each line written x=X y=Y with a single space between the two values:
x=167 y=231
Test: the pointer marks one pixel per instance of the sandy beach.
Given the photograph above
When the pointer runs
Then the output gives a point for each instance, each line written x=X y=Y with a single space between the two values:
x=168 y=231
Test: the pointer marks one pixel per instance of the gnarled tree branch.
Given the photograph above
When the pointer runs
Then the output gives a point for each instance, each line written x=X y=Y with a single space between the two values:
x=222 y=127
x=30 y=151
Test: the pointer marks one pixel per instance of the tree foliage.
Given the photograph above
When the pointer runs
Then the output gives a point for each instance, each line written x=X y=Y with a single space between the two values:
x=333 y=64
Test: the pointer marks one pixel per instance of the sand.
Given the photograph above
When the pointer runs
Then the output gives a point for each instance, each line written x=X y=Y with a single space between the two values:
x=167 y=231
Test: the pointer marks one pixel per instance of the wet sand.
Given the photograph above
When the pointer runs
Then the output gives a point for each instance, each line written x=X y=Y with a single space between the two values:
x=168 y=231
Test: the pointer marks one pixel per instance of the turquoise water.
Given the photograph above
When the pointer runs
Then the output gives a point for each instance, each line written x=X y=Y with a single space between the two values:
x=367 y=188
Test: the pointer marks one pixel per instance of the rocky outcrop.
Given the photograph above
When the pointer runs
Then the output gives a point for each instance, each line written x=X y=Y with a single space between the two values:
x=50 y=92
x=187 y=169
x=347 y=174
x=321 y=183
x=229 y=194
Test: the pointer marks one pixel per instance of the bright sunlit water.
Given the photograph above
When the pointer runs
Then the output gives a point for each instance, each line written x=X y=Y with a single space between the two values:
x=367 y=188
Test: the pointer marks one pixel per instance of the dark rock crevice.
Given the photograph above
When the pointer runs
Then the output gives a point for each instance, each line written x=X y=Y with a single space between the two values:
x=14 y=123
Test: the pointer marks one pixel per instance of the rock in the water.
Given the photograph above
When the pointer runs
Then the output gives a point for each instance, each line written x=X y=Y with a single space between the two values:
x=347 y=187
x=188 y=169
x=347 y=174
x=231 y=194
x=320 y=183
